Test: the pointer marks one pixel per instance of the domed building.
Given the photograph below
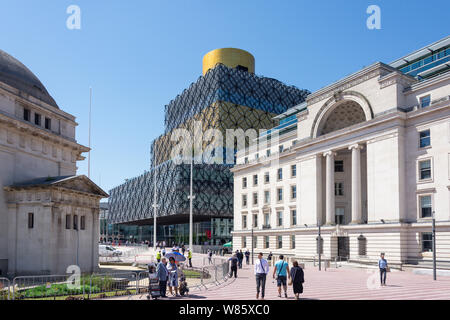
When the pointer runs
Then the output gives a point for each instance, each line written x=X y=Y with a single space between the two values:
x=48 y=214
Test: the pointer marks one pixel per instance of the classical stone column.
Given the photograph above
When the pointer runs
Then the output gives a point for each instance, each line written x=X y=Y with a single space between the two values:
x=356 y=184
x=329 y=188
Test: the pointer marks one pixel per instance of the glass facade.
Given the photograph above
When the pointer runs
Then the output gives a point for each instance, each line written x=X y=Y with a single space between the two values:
x=224 y=98
x=414 y=68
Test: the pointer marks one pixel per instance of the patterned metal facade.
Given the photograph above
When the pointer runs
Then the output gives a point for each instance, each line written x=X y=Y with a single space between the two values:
x=224 y=98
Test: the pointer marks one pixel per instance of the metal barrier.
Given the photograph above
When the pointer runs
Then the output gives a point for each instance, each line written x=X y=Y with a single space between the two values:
x=5 y=289
x=98 y=286
x=67 y=287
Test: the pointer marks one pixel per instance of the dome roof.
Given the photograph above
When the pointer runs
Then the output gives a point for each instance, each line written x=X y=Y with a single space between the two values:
x=17 y=75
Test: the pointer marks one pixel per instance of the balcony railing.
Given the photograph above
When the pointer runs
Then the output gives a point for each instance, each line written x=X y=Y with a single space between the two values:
x=266 y=226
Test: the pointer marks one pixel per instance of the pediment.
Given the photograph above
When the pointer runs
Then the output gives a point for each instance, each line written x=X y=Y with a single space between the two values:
x=81 y=184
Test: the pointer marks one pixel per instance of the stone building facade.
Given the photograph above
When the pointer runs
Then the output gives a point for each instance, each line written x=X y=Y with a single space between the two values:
x=367 y=158
x=37 y=147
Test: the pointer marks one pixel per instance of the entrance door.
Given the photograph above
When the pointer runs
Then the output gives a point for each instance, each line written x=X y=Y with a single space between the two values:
x=343 y=248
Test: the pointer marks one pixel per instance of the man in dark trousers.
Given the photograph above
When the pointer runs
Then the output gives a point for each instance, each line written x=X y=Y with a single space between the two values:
x=234 y=265
x=163 y=274
x=247 y=256
x=240 y=257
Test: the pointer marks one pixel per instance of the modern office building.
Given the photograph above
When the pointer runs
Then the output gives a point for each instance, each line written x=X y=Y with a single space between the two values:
x=367 y=158
x=227 y=96
x=48 y=214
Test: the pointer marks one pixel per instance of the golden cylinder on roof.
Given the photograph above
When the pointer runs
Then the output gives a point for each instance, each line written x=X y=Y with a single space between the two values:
x=231 y=57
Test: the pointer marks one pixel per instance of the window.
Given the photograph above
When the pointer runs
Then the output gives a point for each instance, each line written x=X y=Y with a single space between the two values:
x=425 y=101
x=266 y=177
x=26 y=114
x=244 y=242
x=257 y=156
x=37 y=119
x=280 y=242
x=280 y=173
x=425 y=169
x=266 y=219
x=280 y=218
x=67 y=221
x=294 y=217
x=255 y=198
x=255 y=220
x=244 y=200
x=268 y=152
x=280 y=149
x=293 y=241
x=255 y=180
x=83 y=222
x=362 y=245
x=338 y=166
x=280 y=194
x=293 y=192
x=246 y=160
x=266 y=196
x=293 y=171
x=75 y=222
x=48 y=123
x=244 y=222
x=425 y=206
x=340 y=215
x=338 y=189
x=424 y=138
x=266 y=242
x=255 y=240
x=244 y=183
x=427 y=242
x=30 y=220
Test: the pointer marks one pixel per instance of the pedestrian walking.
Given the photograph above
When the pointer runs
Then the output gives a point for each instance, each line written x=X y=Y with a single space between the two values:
x=383 y=265
x=247 y=256
x=269 y=257
x=183 y=249
x=297 y=279
x=234 y=265
x=163 y=275
x=280 y=273
x=240 y=257
x=261 y=271
x=190 y=257
x=210 y=256
x=173 y=277
x=158 y=256
x=164 y=252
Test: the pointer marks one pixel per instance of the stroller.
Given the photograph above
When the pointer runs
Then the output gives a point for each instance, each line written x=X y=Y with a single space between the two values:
x=153 y=282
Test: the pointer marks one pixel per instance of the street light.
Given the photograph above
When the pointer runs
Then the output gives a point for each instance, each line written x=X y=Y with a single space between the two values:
x=155 y=206
x=253 y=244
x=433 y=231
x=191 y=197
x=319 y=246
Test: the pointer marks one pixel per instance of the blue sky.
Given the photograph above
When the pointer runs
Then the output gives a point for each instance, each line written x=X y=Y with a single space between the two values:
x=138 y=55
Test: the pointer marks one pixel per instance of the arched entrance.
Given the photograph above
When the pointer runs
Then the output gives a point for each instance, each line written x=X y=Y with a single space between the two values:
x=342 y=110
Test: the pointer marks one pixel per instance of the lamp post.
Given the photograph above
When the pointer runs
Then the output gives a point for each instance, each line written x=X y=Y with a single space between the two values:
x=191 y=197
x=253 y=244
x=155 y=206
x=433 y=231
x=319 y=246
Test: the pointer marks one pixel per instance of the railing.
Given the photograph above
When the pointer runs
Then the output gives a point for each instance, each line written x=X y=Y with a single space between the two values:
x=69 y=287
x=99 y=286
x=5 y=289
